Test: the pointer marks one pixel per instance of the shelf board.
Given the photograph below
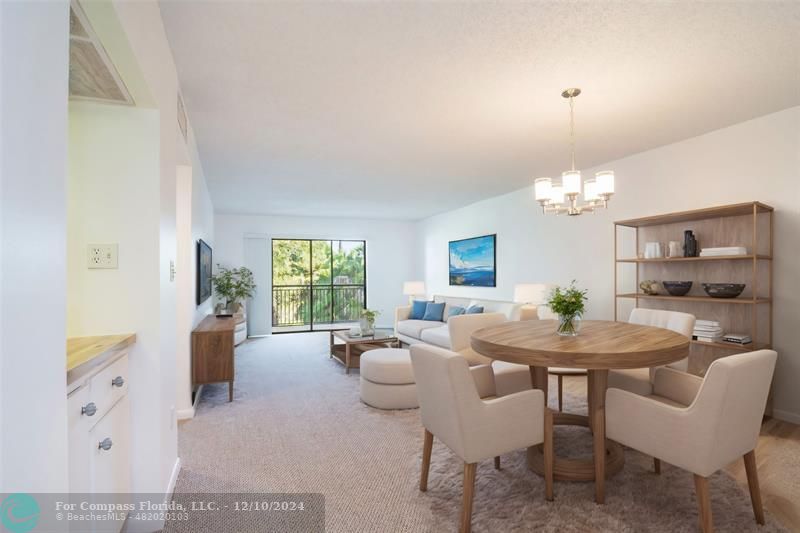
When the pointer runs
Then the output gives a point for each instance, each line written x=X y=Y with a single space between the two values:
x=697 y=214
x=707 y=299
x=753 y=346
x=694 y=259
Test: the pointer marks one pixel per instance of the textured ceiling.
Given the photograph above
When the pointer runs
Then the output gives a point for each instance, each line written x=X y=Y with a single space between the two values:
x=407 y=109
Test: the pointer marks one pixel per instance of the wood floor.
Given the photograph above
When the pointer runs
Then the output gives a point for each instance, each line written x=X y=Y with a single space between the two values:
x=777 y=458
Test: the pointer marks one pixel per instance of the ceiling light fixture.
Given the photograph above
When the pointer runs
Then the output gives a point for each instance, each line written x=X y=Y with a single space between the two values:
x=562 y=197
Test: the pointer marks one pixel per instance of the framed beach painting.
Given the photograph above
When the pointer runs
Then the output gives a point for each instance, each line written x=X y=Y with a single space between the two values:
x=473 y=261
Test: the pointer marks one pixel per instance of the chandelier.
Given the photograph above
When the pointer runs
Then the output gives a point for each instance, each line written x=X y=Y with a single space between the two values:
x=562 y=197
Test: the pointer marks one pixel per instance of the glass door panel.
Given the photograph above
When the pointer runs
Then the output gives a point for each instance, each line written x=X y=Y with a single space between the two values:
x=317 y=284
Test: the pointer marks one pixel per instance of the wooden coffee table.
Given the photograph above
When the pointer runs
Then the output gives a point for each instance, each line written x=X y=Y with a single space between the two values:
x=349 y=350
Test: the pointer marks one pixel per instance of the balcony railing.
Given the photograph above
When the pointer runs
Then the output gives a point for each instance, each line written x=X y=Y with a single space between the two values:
x=301 y=305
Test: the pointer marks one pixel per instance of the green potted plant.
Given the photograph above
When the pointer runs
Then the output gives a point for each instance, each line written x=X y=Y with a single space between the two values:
x=367 y=323
x=569 y=304
x=234 y=285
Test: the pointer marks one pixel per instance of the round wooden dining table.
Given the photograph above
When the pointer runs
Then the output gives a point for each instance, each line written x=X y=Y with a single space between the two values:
x=601 y=345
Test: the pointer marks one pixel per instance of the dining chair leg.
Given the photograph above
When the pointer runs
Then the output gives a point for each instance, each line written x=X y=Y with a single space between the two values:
x=427 y=446
x=657 y=465
x=548 y=454
x=469 y=491
x=704 y=503
x=497 y=462
x=560 y=393
x=752 y=482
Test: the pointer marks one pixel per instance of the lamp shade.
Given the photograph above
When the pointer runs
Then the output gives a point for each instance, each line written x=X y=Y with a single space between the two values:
x=557 y=195
x=605 y=182
x=530 y=293
x=571 y=182
x=590 y=190
x=414 y=288
x=542 y=188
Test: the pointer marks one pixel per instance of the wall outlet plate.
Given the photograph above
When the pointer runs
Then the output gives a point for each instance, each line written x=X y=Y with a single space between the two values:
x=102 y=256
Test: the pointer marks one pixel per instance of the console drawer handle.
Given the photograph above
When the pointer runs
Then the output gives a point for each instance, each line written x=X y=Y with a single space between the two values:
x=117 y=381
x=89 y=409
x=105 y=444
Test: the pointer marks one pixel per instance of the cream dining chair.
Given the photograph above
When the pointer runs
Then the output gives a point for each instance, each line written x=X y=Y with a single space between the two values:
x=474 y=429
x=700 y=425
x=640 y=380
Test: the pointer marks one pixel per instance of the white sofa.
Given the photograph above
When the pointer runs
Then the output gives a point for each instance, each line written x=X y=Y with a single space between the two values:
x=437 y=333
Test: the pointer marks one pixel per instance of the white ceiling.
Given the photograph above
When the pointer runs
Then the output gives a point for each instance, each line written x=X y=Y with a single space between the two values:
x=407 y=109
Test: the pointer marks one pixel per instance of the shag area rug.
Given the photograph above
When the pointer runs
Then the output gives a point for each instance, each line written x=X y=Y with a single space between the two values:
x=297 y=425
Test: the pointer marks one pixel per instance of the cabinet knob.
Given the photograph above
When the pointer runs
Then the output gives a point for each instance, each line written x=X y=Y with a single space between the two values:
x=105 y=444
x=89 y=409
x=117 y=381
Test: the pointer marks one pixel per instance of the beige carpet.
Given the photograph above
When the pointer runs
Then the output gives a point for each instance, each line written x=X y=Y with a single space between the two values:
x=297 y=425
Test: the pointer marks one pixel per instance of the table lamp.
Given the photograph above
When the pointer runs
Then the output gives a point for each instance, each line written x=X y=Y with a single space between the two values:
x=413 y=288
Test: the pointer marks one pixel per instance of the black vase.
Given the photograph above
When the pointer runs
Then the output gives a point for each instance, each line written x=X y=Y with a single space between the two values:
x=689 y=246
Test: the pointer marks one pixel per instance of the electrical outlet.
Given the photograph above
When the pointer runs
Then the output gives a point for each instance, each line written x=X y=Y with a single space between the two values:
x=102 y=256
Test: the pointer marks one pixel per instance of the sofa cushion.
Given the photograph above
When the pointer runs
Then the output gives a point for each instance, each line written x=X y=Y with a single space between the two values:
x=474 y=310
x=439 y=336
x=418 y=309
x=434 y=311
x=413 y=328
x=454 y=310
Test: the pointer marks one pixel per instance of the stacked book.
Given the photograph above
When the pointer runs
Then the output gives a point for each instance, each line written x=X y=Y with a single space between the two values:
x=725 y=250
x=737 y=338
x=707 y=331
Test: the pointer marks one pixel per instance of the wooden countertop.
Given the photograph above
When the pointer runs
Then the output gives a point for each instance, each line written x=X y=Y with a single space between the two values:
x=81 y=350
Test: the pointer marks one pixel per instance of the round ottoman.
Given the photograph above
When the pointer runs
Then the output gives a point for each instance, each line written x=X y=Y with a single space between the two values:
x=387 y=380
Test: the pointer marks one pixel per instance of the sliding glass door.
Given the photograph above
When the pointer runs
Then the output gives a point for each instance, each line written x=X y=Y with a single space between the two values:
x=317 y=284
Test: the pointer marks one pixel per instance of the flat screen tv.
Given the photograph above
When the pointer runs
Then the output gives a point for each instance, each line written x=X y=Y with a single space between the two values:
x=203 y=271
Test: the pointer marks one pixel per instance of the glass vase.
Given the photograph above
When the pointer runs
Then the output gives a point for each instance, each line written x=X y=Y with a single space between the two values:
x=367 y=327
x=568 y=326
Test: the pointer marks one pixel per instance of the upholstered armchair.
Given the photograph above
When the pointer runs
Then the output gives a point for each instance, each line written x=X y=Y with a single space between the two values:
x=474 y=429
x=461 y=329
x=509 y=377
x=640 y=380
x=700 y=425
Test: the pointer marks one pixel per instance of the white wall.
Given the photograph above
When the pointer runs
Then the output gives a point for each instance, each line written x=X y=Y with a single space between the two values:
x=391 y=249
x=114 y=197
x=33 y=167
x=755 y=160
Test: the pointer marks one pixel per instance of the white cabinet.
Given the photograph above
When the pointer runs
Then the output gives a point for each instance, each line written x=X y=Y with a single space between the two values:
x=99 y=432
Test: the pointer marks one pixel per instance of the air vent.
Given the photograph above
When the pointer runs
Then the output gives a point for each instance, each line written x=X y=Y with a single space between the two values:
x=92 y=75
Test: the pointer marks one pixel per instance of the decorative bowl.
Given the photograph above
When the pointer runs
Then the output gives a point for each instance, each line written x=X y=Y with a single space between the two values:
x=677 y=288
x=723 y=290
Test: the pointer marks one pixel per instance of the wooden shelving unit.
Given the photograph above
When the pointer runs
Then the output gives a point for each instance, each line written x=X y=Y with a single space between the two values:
x=749 y=224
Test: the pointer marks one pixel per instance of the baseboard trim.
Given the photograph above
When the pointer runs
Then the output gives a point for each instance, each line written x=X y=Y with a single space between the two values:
x=173 y=480
x=786 y=416
x=185 y=414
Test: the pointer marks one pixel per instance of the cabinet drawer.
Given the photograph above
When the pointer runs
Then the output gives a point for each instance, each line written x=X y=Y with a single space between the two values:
x=109 y=455
x=109 y=385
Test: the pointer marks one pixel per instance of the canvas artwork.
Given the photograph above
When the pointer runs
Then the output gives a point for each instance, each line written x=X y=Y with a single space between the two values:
x=472 y=262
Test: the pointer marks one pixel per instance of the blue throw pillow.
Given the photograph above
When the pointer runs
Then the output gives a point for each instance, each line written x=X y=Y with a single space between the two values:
x=434 y=312
x=475 y=310
x=455 y=311
x=418 y=309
